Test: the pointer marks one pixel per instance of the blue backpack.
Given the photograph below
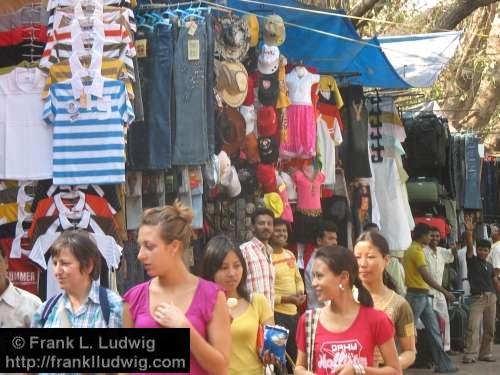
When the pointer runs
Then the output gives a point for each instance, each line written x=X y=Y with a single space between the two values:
x=103 y=302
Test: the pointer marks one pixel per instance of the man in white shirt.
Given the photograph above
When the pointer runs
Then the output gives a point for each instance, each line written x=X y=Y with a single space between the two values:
x=436 y=258
x=17 y=306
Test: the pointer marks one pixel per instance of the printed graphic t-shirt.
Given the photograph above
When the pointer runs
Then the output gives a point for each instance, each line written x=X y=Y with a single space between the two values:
x=371 y=328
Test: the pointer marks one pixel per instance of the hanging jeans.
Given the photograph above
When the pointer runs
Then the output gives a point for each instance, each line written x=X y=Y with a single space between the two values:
x=472 y=195
x=210 y=86
x=190 y=80
x=419 y=302
x=457 y=171
x=150 y=142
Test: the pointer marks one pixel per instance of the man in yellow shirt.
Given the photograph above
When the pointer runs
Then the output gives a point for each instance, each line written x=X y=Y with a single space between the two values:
x=418 y=280
x=288 y=285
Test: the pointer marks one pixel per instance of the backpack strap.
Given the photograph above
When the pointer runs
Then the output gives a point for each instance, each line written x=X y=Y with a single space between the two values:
x=49 y=306
x=104 y=302
x=312 y=317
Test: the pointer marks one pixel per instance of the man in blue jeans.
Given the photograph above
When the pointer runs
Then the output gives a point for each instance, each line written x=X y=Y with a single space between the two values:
x=418 y=280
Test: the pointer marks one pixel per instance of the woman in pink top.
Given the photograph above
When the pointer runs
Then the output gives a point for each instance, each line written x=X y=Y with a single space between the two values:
x=175 y=298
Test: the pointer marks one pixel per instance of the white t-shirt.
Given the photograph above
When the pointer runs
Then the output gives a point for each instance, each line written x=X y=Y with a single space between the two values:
x=494 y=257
x=25 y=140
x=327 y=140
x=299 y=82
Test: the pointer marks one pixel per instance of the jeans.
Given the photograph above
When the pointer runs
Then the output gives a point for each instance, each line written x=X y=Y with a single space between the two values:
x=490 y=189
x=472 y=195
x=457 y=170
x=482 y=308
x=290 y=322
x=210 y=86
x=422 y=309
x=150 y=142
x=190 y=77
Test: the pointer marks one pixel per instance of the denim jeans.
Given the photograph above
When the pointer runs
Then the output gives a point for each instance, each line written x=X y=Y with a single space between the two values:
x=210 y=86
x=422 y=309
x=457 y=170
x=150 y=142
x=490 y=189
x=472 y=194
x=190 y=77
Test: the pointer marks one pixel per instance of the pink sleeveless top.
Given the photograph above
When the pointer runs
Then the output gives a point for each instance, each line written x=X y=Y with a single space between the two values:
x=199 y=312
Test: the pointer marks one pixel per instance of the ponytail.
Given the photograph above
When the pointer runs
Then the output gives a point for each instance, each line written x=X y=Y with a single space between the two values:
x=364 y=296
x=389 y=281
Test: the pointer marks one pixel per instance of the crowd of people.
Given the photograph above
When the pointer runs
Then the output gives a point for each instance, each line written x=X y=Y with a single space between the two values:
x=361 y=305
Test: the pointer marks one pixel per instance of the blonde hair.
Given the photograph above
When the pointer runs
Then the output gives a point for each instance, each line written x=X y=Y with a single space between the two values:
x=174 y=222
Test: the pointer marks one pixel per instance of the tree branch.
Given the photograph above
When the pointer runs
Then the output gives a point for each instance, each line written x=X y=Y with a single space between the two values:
x=363 y=7
x=458 y=11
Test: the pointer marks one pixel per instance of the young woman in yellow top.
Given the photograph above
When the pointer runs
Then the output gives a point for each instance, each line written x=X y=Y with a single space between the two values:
x=224 y=264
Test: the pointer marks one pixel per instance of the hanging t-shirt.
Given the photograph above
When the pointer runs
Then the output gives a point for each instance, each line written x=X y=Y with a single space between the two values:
x=308 y=190
x=25 y=141
x=89 y=136
x=327 y=139
x=299 y=82
x=356 y=344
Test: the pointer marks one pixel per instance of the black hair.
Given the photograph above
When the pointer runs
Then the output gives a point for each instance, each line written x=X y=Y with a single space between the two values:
x=481 y=242
x=261 y=211
x=322 y=227
x=379 y=242
x=2 y=253
x=420 y=230
x=433 y=229
x=339 y=259
x=280 y=221
x=369 y=226
x=83 y=248
x=215 y=253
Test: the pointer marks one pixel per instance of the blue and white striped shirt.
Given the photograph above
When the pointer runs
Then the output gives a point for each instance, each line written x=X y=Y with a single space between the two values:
x=89 y=142
x=88 y=315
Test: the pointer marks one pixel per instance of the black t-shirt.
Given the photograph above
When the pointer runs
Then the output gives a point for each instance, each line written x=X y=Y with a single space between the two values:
x=480 y=274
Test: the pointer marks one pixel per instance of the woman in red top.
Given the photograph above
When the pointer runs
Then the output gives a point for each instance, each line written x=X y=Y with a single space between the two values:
x=347 y=331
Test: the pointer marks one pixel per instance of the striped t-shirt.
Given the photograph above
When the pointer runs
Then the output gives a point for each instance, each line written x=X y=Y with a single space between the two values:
x=113 y=38
x=89 y=138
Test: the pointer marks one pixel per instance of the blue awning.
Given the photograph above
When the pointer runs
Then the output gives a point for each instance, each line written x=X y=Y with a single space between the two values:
x=336 y=48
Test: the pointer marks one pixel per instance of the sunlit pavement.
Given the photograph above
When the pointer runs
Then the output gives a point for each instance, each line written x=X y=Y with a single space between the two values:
x=478 y=368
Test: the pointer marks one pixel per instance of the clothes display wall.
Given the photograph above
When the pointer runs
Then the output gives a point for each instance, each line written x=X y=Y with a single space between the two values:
x=108 y=108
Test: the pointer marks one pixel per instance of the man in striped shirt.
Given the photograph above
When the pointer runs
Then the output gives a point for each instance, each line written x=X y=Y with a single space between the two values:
x=257 y=253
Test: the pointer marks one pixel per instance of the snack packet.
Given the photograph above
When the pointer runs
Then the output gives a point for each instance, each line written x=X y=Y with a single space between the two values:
x=275 y=338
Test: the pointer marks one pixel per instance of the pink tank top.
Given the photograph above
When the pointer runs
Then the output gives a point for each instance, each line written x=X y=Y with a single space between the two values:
x=199 y=312
x=308 y=191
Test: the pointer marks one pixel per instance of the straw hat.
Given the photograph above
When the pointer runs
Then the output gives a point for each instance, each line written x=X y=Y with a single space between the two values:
x=274 y=30
x=232 y=82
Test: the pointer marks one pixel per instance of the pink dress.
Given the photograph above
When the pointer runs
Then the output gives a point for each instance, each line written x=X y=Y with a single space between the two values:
x=199 y=312
x=300 y=140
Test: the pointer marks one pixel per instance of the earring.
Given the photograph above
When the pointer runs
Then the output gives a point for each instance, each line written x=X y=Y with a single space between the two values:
x=341 y=287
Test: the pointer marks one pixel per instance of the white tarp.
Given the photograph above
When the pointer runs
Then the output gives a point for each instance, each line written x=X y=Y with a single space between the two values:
x=419 y=58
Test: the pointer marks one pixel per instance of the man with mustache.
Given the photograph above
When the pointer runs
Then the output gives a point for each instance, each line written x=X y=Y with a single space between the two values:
x=257 y=253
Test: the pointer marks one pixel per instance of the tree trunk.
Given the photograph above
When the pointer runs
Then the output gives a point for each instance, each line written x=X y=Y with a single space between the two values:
x=363 y=7
x=458 y=11
x=488 y=95
x=458 y=78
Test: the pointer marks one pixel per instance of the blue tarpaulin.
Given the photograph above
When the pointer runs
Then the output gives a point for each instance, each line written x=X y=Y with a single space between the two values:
x=336 y=49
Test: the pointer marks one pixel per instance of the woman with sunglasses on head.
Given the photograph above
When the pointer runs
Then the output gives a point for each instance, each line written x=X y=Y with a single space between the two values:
x=224 y=264
x=340 y=337
x=372 y=252
x=175 y=298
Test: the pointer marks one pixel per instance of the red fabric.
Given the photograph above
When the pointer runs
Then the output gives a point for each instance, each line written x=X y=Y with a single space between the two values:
x=308 y=252
x=266 y=175
x=250 y=98
x=23 y=34
x=267 y=121
x=371 y=328
x=438 y=222
x=22 y=272
x=330 y=112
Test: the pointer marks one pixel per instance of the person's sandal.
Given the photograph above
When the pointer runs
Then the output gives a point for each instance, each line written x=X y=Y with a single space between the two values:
x=468 y=360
